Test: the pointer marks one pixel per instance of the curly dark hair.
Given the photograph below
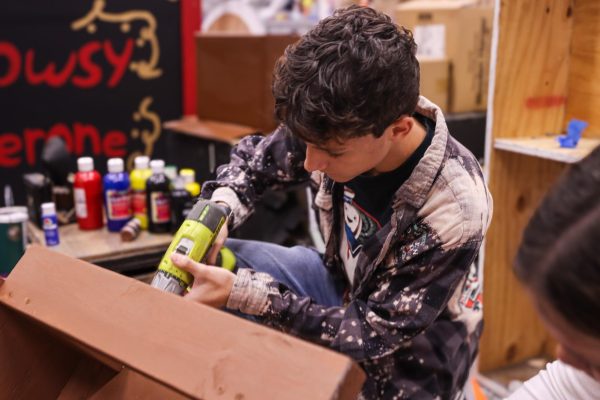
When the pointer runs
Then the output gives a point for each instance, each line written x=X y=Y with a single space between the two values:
x=353 y=74
x=558 y=258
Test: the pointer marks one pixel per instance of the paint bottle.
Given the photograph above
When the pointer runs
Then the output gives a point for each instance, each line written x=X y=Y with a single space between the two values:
x=13 y=237
x=189 y=178
x=171 y=173
x=50 y=224
x=158 y=198
x=117 y=197
x=180 y=204
x=138 y=177
x=87 y=192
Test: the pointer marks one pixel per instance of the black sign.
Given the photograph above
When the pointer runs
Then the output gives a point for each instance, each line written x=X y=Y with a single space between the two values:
x=101 y=74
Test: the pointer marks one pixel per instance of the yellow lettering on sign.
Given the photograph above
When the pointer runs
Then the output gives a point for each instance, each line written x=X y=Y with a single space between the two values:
x=145 y=69
x=148 y=136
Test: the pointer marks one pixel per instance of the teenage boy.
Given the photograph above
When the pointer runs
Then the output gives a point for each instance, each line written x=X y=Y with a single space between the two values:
x=402 y=207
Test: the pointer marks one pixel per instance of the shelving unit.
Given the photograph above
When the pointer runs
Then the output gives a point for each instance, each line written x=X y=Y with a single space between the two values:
x=545 y=71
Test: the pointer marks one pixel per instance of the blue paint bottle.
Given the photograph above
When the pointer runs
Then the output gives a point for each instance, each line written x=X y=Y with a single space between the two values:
x=117 y=196
x=50 y=224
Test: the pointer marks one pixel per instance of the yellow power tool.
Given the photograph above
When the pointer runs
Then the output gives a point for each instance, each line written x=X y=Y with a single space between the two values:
x=193 y=239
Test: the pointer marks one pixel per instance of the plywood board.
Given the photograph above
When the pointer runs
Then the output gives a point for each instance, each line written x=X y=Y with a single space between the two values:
x=34 y=364
x=532 y=70
x=88 y=377
x=584 y=73
x=513 y=331
x=198 y=351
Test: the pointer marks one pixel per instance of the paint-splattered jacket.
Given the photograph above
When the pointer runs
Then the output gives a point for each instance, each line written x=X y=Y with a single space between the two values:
x=413 y=316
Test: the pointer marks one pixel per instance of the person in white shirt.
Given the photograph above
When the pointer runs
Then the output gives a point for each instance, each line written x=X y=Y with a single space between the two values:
x=558 y=262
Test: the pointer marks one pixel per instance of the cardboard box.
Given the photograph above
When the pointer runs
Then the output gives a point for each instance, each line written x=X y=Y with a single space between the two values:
x=435 y=80
x=71 y=330
x=459 y=30
x=235 y=75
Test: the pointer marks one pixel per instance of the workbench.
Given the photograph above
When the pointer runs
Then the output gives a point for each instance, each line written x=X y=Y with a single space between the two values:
x=106 y=249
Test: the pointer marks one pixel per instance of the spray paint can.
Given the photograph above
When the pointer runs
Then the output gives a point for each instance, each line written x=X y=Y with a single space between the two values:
x=13 y=237
x=50 y=224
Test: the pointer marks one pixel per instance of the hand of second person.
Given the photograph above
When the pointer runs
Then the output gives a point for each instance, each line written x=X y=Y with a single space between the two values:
x=211 y=286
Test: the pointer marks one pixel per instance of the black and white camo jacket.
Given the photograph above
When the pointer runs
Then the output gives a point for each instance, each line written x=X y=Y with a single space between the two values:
x=413 y=316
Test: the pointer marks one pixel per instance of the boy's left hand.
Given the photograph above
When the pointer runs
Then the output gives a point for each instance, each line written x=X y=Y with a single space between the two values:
x=212 y=285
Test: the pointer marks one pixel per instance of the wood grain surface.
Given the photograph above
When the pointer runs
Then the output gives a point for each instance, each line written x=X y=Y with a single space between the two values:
x=195 y=350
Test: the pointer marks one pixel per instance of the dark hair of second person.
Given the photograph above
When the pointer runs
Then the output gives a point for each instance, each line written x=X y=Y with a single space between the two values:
x=559 y=263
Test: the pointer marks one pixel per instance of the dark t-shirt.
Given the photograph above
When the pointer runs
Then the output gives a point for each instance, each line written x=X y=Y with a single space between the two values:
x=368 y=201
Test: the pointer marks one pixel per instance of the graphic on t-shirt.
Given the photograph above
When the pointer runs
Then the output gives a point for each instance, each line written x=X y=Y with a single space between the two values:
x=471 y=296
x=358 y=224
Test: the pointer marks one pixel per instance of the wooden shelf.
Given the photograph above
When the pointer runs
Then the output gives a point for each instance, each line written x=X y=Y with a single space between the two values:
x=547 y=147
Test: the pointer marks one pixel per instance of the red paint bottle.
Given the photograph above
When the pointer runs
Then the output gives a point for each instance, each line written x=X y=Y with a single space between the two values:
x=87 y=189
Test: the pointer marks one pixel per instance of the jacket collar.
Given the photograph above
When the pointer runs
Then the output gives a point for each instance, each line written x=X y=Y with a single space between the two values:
x=416 y=188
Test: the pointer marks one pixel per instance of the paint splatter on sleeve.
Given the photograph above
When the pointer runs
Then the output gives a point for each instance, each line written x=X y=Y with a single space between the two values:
x=259 y=163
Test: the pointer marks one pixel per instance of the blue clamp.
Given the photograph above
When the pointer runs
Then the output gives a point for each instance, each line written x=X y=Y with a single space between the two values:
x=574 y=131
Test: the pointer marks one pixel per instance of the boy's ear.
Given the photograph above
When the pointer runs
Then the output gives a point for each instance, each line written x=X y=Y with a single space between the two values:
x=402 y=126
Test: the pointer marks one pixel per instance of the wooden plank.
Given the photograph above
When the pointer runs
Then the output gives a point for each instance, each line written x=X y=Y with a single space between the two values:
x=513 y=331
x=196 y=350
x=547 y=148
x=89 y=376
x=34 y=364
x=101 y=245
x=584 y=82
x=532 y=69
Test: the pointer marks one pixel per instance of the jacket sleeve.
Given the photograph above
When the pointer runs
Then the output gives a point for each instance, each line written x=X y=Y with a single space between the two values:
x=257 y=163
x=410 y=290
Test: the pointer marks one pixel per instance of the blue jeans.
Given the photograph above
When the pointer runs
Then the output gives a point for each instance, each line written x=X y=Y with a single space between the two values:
x=299 y=268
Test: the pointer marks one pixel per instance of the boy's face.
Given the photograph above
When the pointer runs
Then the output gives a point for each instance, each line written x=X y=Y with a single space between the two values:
x=343 y=161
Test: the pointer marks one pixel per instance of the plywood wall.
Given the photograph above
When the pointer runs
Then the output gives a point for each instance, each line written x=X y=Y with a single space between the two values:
x=513 y=331
x=532 y=67
x=584 y=73
x=530 y=99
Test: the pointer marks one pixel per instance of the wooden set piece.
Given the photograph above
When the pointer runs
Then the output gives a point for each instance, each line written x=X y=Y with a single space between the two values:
x=69 y=329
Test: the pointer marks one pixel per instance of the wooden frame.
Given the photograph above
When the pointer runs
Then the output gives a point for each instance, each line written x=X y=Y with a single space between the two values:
x=545 y=70
x=69 y=329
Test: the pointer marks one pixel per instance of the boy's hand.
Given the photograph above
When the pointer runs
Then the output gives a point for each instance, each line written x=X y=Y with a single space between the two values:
x=212 y=285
